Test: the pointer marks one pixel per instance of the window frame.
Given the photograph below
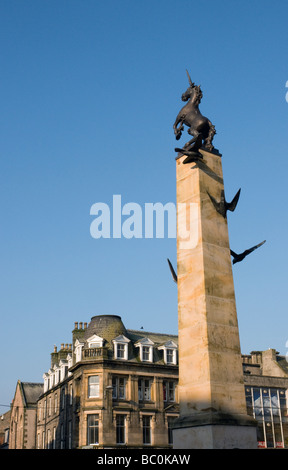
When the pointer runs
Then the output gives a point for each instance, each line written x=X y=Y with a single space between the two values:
x=62 y=437
x=93 y=427
x=172 y=348
x=70 y=434
x=92 y=386
x=146 y=430
x=270 y=415
x=143 y=388
x=117 y=387
x=55 y=403
x=78 y=347
x=172 y=352
x=146 y=355
x=169 y=390
x=170 y=420
x=121 y=429
x=63 y=398
x=120 y=351
x=49 y=405
x=122 y=342
x=49 y=440
x=54 y=437
x=70 y=394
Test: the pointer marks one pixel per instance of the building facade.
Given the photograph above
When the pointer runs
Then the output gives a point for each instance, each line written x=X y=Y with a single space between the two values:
x=266 y=387
x=23 y=415
x=113 y=388
x=118 y=388
x=5 y=430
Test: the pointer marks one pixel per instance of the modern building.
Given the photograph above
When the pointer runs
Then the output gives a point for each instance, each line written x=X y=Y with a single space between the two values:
x=266 y=390
x=23 y=415
x=118 y=388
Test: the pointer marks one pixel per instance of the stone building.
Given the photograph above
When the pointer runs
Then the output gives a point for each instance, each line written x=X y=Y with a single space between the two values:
x=23 y=415
x=5 y=429
x=115 y=387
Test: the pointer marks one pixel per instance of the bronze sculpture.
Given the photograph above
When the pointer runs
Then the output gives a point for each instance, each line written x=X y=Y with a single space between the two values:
x=223 y=206
x=174 y=275
x=200 y=127
x=237 y=258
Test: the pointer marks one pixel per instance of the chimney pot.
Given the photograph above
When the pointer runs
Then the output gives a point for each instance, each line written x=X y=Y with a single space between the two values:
x=76 y=325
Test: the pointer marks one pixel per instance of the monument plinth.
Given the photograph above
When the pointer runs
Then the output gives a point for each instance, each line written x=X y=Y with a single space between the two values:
x=211 y=389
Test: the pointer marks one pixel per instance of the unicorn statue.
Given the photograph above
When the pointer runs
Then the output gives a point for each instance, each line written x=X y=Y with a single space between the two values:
x=200 y=128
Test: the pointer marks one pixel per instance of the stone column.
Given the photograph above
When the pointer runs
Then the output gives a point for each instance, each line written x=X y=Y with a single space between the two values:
x=211 y=390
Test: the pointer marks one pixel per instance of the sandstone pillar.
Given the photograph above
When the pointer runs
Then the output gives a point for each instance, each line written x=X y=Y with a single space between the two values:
x=211 y=390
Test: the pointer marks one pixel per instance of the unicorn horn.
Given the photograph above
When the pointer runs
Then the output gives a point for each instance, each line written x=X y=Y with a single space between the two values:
x=190 y=81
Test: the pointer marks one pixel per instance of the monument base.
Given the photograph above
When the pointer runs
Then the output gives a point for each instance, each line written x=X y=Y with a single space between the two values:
x=215 y=431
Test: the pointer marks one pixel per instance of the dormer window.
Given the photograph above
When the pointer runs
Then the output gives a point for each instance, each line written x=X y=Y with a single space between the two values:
x=56 y=374
x=78 y=350
x=46 y=381
x=95 y=342
x=146 y=353
x=70 y=363
x=121 y=347
x=146 y=349
x=51 y=378
x=120 y=351
x=169 y=352
x=63 y=369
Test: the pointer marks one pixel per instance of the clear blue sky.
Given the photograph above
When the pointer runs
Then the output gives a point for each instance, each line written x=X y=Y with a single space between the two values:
x=89 y=93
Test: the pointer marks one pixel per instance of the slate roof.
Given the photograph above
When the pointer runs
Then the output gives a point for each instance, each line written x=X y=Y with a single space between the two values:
x=111 y=326
x=282 y=362
x=157 y=338
x=31 y=391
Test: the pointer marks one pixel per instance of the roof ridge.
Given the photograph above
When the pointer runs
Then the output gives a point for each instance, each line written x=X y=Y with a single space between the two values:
x=32 y=383
x=152 y=333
